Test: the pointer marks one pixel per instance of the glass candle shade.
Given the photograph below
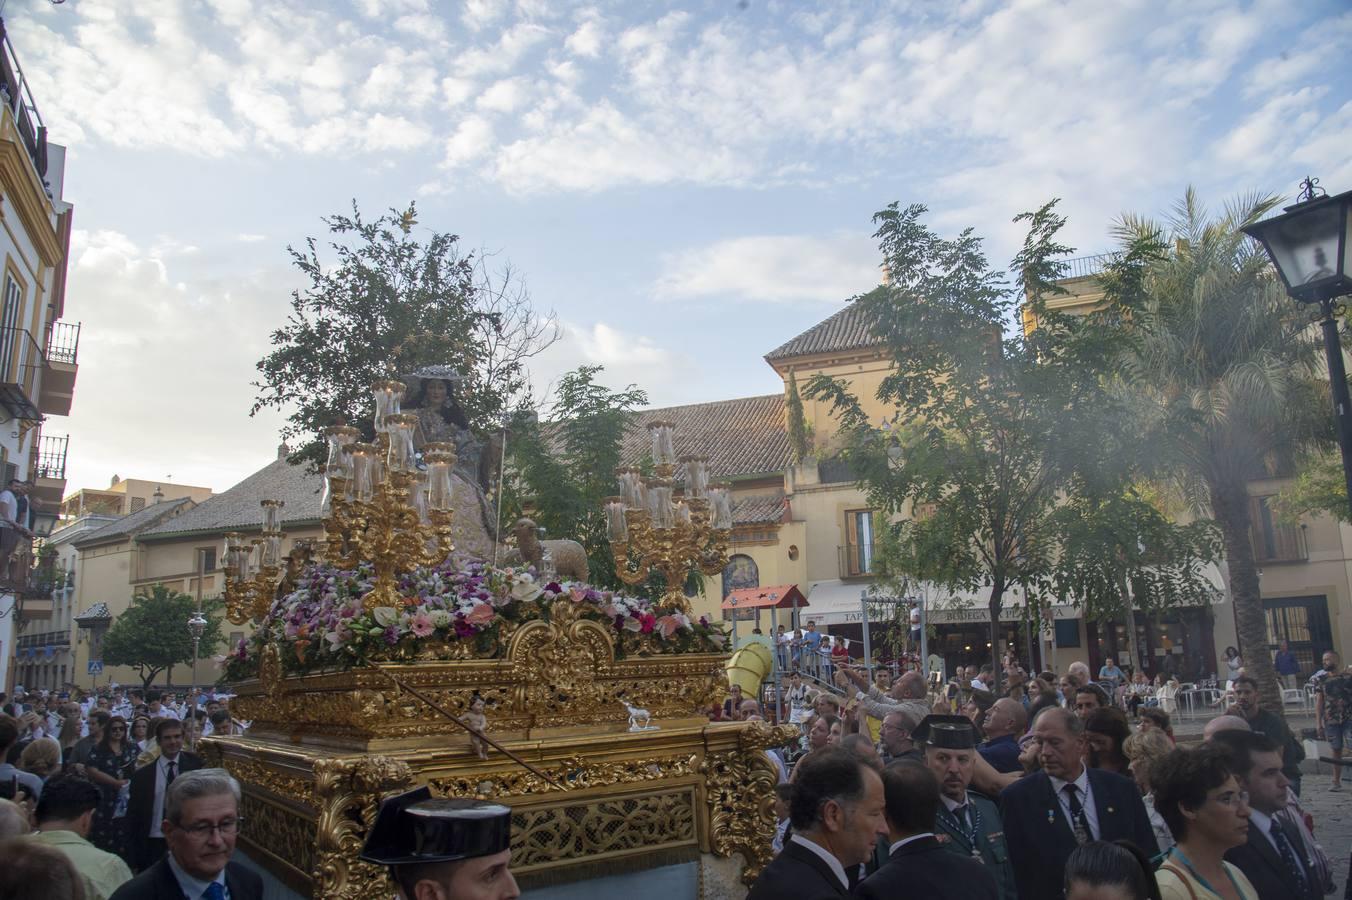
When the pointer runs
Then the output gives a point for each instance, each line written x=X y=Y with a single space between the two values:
x=362 y=488
x=234 y=542
x=270 y=551
x=659 y=503
x=418 y=495
x=617 y=526
x=339 y=462
x=720 y=508
x=400 y=457
x=440 y=459
x=696 y=475
x=272 y=514
x=663 y=448
x=388 y=397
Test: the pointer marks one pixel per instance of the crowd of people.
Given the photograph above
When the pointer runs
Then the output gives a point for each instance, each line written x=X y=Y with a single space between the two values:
x=1057 y=786
x=96 y=787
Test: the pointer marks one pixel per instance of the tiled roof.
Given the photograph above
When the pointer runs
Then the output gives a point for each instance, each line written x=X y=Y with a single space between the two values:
x=133 y=523
x=238 y=507
x=846 y=330
x=759 y=509
x=745 y=436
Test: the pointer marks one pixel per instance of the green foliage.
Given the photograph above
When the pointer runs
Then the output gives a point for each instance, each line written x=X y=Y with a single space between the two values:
x=380 y=304
x=152 y=634
x=799 y=444
x=563 y=468
x=1319 y=488
x=989 y=434
x=1221 y=376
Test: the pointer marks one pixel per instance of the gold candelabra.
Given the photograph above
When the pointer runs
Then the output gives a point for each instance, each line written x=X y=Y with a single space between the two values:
x=253 y=567
x=380 y=507
x=652 y=530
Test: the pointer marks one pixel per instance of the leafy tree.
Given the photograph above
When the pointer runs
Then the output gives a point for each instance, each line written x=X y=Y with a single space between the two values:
x=798 y=437
x=382 y=303
x=1320 y=487
x=152 y=634
x=563 y=468
x=1223 y=375
x=989 y=434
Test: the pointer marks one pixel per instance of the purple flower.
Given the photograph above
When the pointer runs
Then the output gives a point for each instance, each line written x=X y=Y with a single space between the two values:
x=392 y=635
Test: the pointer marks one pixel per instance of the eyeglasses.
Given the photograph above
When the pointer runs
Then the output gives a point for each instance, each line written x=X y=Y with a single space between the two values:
x=1233 y=798
x=203 y=830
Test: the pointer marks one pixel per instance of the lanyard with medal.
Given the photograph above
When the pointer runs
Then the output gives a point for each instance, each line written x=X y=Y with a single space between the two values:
x=970 y=826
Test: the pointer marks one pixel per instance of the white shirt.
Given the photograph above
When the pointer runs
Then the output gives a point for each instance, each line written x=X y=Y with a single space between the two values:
x=979 y=684
x=1086 y=801
x=157 y=810
x=9 y=508
x=164 y=713
x=195 y=887
x=1263 y=822
x=826 y=856
x=906 y=840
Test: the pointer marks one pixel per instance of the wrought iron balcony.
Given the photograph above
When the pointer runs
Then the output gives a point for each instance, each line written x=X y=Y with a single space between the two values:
x=51 y=457
x=63 y=342
x=21 y=365
x=15 y=94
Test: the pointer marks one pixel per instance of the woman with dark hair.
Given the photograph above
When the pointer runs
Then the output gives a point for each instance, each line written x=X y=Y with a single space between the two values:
x=1152 y=717
x=110 y=765
x=1100 y=870
x=1207 y=812
x=1106 y=730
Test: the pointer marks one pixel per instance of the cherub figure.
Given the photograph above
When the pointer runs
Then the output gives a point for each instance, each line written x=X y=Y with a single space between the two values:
x=476 y=719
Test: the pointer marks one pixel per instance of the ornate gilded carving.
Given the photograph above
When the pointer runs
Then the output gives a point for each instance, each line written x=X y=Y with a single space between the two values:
x=287 y=836
x=250 y=771
x=575 y=771
x=741 y=784
x=615 y=825
x=349 y=791
x=558 y=665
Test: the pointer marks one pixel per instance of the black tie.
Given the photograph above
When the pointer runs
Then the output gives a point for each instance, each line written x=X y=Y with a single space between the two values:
x=1078 y=823
x=1288 y=854
x=170 y=775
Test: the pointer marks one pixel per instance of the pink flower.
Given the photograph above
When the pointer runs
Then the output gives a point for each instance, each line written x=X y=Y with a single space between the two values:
x=578 y=594
x=421 y=625
x=646 y=623
x=481 y=614
x=667 y=626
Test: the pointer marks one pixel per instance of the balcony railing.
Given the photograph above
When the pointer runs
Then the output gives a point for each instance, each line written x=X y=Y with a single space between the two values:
x=51 y=457
x=1084 y=266
x=21 y=364
x=856 y=560
x=63 y=342
x=16 y=95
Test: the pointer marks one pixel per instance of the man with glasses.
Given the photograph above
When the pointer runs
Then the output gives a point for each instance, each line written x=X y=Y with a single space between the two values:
x=201 y=823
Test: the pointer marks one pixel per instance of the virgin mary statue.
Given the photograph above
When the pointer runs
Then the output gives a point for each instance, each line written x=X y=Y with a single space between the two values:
x=432 y=397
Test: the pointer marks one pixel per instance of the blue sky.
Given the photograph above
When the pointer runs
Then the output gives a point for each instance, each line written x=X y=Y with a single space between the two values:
x=687 y=186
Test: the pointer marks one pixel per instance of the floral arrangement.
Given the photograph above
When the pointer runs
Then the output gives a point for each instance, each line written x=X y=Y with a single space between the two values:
x=323 y=622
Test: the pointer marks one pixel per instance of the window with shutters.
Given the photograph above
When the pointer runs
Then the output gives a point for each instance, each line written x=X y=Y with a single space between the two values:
x=1274 y=541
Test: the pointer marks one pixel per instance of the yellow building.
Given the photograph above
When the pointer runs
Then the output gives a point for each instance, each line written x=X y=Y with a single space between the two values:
x=38 y=350
x=125 y=496
x=177 y=543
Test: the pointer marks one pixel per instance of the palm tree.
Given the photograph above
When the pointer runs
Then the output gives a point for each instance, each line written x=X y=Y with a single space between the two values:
x=1224 y=370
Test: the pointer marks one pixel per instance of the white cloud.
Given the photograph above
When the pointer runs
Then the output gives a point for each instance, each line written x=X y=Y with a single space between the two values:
x=586 y=40
x=471 y=140
x=164 y=384
x=628 y=358
x=773 y=269
x=503 y=96
x=246 y=237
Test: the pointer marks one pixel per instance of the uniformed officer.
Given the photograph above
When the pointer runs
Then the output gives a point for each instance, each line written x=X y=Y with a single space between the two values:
x=443 y=849
x=967 y=823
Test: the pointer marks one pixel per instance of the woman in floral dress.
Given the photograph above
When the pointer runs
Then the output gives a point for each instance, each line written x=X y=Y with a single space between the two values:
x=110 y=766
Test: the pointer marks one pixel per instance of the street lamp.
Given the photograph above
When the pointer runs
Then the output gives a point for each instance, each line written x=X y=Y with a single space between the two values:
x=1311 y=246
x=196 y=625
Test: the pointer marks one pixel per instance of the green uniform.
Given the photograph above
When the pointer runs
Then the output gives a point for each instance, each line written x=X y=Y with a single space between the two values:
x=982 y=822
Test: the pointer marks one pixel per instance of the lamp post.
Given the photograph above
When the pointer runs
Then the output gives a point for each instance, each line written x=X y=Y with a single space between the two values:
x=196 y=625
x=1311 y=248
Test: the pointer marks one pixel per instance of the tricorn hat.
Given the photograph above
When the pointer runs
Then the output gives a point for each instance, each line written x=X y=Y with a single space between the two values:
x=949 y=732
x=414 y=828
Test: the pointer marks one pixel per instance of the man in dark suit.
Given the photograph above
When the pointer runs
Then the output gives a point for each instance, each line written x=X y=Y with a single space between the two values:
x=837 y=803
x=918 y=865
x=1272 y=858
x=1051 y=812
x=149 y=787
x=201 y=822
x=967 y=824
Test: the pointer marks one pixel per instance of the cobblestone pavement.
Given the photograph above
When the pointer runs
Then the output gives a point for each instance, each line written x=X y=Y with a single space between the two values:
x=1332 y=814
